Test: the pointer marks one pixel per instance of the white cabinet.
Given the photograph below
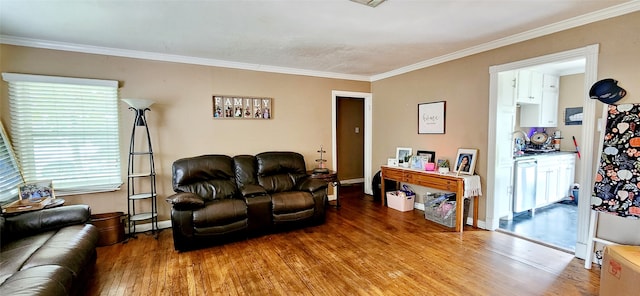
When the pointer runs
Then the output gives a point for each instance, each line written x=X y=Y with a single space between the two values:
x=547 y=181
x=529 y=87
x=544 y=114
x=555 y=176
x=566 y=175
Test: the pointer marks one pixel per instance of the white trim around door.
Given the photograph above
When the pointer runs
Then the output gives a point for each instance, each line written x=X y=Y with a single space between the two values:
x=368 y=126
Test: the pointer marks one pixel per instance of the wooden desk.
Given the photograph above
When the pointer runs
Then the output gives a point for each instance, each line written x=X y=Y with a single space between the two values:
x=432 y=180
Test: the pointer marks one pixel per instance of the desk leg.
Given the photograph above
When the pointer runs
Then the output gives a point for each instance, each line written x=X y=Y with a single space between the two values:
x=475 y=211
x=459 y=206
x=337 y=189
x=382 y=194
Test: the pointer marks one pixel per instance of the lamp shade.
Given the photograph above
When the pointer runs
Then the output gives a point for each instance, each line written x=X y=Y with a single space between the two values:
x=139 y=104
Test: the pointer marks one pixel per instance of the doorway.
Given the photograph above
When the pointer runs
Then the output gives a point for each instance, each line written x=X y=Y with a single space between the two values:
x=368 y=132
x=350 y=140
x=543 y=203
x=500 y=153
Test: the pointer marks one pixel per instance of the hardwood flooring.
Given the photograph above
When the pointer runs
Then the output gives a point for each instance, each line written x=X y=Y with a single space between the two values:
x=362 y=249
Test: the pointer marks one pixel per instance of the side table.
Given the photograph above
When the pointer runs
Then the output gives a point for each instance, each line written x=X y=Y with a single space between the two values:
x=330 y=177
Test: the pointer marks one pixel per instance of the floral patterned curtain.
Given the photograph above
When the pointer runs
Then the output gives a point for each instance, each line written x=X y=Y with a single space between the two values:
x=617 y=184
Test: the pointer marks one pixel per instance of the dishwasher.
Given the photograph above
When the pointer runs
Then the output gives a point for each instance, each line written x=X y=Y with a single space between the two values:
x=524 y=193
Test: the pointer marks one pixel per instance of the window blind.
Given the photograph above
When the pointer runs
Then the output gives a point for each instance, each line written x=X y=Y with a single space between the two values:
x=10 y=176
x=66 y=130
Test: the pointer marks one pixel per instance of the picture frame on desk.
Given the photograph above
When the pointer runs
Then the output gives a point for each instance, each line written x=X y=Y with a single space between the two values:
x=429 y=155
x=403 y=156
x=36 y=191
x=466 y=161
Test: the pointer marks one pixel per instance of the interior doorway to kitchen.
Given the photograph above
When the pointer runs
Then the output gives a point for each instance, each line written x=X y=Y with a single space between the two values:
x=503 y=113
x=544 y=155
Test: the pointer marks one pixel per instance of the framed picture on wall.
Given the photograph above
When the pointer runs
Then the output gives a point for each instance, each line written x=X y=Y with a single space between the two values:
x=242 y=107
x=431 y=118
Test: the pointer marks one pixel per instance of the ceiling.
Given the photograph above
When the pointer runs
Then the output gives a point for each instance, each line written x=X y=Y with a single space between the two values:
x=327 y=38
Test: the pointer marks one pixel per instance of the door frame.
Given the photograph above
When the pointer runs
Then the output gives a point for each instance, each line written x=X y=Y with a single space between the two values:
x=368 y=132
x=585 y=176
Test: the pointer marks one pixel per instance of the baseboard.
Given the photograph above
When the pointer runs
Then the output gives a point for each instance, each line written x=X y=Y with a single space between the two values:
x=352 y=181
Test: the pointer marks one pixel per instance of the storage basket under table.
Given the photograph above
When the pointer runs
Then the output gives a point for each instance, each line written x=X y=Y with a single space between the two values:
x=442 y=209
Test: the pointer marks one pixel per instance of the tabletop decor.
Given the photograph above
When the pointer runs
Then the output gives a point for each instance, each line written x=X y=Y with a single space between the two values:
x=466 y=161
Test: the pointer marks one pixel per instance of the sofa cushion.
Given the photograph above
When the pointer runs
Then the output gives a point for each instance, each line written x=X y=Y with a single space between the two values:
x=245 y=166
x=30 y=223
x=40 y=280
x=280 y=171
x=209 y=176
x=15 y=253
x=291 y=202
x=220 y=216
x=71 y=247
x=186 y=201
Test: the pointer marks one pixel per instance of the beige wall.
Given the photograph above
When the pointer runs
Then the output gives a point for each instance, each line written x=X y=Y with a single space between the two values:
x=181 y=122
x=464 y=85
x=571 y=90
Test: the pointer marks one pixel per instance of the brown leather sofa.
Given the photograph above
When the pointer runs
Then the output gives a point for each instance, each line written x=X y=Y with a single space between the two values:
x=47 y=252
x=221 y=198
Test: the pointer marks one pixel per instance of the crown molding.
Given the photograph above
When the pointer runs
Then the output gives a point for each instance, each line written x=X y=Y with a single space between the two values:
x=136 y=54
x=603 y=14
x=606 y=13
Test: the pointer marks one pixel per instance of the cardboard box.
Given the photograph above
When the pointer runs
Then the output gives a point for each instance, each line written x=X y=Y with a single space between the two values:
x=620 y=273
x=399 y=200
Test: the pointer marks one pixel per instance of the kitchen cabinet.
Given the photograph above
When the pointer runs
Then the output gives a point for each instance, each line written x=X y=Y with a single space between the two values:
x=546 y=181
x=529 y=87
x=554 y=177
x=566 y=175
x=544 y=114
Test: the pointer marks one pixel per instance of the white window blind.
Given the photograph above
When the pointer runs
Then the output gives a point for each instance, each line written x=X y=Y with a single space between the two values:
x=66 y=130
x=10 y=176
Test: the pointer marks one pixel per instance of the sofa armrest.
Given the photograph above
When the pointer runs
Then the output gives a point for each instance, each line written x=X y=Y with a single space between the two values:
x=47 y=219
x=185 y=201
x=313 y=185
x=252 y=190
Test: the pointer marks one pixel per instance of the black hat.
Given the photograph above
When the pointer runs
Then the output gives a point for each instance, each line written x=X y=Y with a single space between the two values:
x=607 y=91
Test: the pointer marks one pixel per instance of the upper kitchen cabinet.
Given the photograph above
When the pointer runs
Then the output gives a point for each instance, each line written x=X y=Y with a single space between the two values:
x=544 y=114
x=529 y=87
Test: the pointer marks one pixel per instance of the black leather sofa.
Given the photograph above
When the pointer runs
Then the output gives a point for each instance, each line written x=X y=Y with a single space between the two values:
x=47 y=252
x=221 y=198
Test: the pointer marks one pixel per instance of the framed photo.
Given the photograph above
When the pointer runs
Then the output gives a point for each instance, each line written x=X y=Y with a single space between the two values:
x=573 y=116
x=466 y=161
x=36 y=191
x=233 y=107
x=431 y=118
x=430 y=156
x=403 y=155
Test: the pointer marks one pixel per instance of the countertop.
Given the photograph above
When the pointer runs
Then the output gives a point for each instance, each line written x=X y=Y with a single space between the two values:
x=541 y=154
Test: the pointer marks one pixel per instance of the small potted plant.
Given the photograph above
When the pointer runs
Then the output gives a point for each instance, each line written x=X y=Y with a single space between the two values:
x=443 y=166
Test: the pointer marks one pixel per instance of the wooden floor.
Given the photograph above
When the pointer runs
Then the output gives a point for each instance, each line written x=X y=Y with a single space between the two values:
x=362 y=249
